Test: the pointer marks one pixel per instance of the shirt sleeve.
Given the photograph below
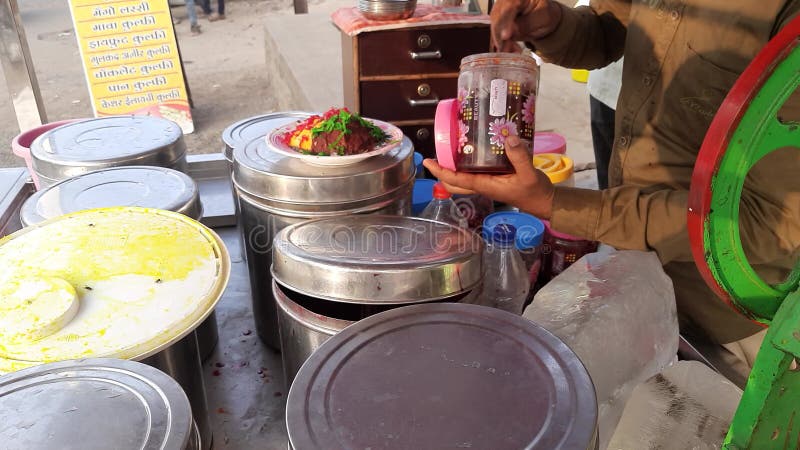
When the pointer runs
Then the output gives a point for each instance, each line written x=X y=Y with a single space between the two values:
x=588 y=37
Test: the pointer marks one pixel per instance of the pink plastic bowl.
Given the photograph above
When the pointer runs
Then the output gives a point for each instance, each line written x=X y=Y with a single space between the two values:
x=21 y=145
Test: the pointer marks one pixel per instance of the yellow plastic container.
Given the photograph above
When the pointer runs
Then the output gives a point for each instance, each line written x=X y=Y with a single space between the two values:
x=580 y=75
x=113 y=282
x=559 y=168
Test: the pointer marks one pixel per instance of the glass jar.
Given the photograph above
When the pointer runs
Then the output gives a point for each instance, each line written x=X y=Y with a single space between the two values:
x=561 y=251
x=496 y=99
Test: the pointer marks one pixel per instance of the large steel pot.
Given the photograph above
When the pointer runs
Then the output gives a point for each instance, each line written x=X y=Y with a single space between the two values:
x=332 y=272
x=275 y=191
x=94 y=404
x=443 y=375
x=129 y=283
x=80 y=147
x=145 y=186
x=241 y=133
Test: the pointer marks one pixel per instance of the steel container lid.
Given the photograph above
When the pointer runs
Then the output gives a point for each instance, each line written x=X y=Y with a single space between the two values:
x=122 y=282
x=93 y=144
x=244 y=131
x=146 y=186
x=442 y=376
x=271 y=176
x=93 y=404
x=377 y=259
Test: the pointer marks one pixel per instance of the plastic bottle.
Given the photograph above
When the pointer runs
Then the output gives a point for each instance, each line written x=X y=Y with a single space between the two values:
x=507 y=282
x=443 y=209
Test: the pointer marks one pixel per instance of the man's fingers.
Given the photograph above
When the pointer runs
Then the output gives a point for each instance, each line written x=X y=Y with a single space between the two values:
x=457 y=179
x=519 y=156
x=457 y=190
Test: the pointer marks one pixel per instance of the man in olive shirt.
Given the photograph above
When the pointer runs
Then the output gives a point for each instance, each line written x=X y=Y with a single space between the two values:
x=681 y=59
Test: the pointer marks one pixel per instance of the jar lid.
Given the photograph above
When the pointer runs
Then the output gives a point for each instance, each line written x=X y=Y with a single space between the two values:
x=530 y=230
x=549 y=142
x=445 y=133
x=377 y=259
x=443 y=375
x=423 y=194
x=88 y=145
x=142 y=279
x=146 y=186
x=518 y=60
x=557 y=234
x=557 y=167
x=264 y=173
x=93 y=404
x=244 y=131
x=418 y=158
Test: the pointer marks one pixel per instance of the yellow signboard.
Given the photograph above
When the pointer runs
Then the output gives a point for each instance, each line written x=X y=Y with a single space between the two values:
x=130 y=57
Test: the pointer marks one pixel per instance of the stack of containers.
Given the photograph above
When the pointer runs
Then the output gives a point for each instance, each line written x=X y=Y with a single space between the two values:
x=274 y=191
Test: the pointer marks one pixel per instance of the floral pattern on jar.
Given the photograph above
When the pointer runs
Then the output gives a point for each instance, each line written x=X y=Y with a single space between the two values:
x=497 y=99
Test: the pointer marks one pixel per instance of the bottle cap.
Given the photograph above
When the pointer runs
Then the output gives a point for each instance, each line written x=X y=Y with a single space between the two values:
x=504 y=235
x=440 y=192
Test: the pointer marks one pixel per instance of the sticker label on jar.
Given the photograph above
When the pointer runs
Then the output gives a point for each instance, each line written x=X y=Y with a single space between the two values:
x=498 y=95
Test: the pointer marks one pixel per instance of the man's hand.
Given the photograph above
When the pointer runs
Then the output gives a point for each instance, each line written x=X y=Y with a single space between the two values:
x=528 y=189
x=522 y=20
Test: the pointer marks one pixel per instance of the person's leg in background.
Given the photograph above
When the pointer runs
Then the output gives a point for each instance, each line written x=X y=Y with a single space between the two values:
x=191 y=10
x=220 y=15
x=602 y=122
x=206 y=5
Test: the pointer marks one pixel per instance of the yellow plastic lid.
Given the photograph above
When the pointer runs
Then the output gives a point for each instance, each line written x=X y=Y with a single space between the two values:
x=113 y=282
x=558 y=167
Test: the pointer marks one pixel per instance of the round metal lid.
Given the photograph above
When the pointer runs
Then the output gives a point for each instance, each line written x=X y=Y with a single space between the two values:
x=442 y=375
x=244 y=131
x=146 y=186
x=93 y=404
x=377 y=259
x=122 y=282
x=264 y=173
x=93 y=144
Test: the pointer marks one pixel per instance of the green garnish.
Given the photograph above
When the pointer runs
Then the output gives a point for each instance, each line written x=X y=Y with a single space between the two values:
x=339 y=122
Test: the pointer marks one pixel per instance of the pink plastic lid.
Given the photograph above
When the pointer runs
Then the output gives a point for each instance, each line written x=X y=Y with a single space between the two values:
x=559 y=235
x=548 y=142
x=445 y=132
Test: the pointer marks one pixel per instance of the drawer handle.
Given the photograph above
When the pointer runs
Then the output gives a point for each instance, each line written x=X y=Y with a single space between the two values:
x=426 y=102
x=419 y=56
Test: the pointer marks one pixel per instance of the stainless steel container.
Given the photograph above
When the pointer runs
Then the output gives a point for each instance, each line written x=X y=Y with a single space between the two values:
x=125 y=282
x=275 y=191
x=244 y=131
x=94 y=404
x=145 y=186
x=80 y=147
x=332 y=272
x=443 y=376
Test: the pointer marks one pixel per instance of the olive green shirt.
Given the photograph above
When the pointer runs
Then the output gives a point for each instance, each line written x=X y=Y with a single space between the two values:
x=681 y=59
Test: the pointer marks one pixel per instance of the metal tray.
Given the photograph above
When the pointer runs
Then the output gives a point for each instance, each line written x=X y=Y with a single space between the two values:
x=15 y=188
x=213 y=176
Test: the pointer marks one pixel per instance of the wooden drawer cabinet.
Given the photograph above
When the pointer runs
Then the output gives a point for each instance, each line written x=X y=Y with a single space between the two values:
x=404 y=100
x=416 y=51
x=399 y=76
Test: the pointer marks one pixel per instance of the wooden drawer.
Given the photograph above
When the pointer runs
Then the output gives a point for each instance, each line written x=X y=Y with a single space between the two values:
x=422 y=137
x=395 y=100
x=437 y=50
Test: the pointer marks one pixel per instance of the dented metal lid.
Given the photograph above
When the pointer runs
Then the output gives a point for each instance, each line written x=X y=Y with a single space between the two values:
x=93 y=404
x=145 y=186
x=442 y=375
x=377 y=259
x=94 y=144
